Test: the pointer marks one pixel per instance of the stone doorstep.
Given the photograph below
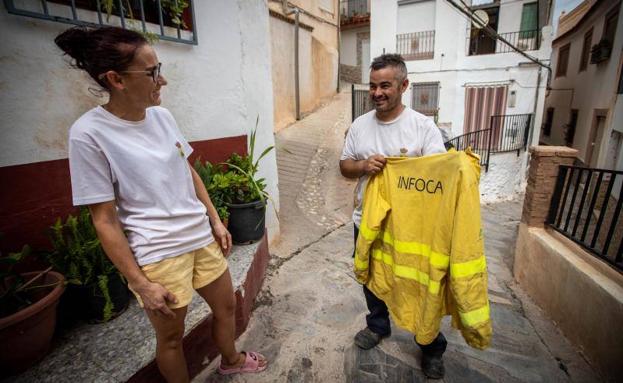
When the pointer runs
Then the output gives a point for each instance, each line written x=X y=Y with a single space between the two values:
x=124 y=348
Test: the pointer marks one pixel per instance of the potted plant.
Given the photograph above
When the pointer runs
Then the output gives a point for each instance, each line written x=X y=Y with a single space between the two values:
x=217 y=185
x=96 y=290
x=246 y=195
x=27 y=313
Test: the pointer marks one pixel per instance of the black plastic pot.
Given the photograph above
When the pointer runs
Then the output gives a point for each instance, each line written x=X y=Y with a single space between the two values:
x=87 y=302
x=247 y=222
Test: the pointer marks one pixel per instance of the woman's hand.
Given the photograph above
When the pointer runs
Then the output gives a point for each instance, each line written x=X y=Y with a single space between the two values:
x=222 y=236
x=155 y=298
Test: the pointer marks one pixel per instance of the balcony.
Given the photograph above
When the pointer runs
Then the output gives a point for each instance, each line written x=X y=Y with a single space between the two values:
x=354 y=13
x=416 y=46
x=483 y=44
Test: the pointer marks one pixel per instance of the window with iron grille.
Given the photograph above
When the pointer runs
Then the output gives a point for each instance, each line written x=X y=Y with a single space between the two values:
x=171 y=20
x=563 y=60
x=586 y=49
x=425 y=98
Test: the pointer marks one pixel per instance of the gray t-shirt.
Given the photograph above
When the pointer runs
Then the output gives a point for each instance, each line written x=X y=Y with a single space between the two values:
x=411 y=134
x=143 y=167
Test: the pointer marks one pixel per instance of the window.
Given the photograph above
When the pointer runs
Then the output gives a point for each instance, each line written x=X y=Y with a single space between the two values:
x=529 y=20
x=563 y=59
x=586 y=49
x=425 y=98
x=620 y=90
x=610 y=26
x=549 y=119
x=326 y=5
x=171 y=20
x=480 y=43
x=570 y=128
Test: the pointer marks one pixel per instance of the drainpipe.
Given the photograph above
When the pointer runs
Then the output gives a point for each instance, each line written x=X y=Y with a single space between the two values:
x=297 y=97
x=536 y=102
x=339 y=53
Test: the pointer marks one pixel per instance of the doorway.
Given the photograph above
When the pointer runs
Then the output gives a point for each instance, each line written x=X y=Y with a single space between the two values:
x=593 y=146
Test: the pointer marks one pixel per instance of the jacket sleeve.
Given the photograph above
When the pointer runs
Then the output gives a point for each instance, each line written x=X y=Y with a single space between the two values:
x=468 y=267
x=375 y=209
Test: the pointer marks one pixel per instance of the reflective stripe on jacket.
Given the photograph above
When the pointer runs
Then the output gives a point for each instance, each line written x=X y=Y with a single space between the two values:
x=420 y=247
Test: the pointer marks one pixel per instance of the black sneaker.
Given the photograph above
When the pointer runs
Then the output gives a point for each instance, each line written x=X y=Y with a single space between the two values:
x=433 y=367
x=367 y=339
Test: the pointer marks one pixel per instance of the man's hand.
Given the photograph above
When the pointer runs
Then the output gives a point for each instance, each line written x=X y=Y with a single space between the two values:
x=222 y=236
x=374 y=164
x=155 y=298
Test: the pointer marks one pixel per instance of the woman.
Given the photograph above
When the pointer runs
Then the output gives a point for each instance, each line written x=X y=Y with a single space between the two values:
x=128 y=163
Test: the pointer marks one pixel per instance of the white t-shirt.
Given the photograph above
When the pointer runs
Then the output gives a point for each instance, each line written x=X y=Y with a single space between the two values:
x=411 y=134
x=143 y=167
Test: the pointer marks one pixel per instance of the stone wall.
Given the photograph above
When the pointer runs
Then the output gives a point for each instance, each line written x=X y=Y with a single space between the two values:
x=349 y=73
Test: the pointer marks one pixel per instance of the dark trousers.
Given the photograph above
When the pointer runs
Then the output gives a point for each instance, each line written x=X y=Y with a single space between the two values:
x=378 y=319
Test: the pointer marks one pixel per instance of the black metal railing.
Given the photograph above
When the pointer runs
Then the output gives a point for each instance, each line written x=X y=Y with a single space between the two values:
x=353 y=8
x=479 y=142
x=524 y=40
x=172 y=21
x=416 y=46
x=509 y=132
x=586 y=208
x=361 y=103
x=482 y=44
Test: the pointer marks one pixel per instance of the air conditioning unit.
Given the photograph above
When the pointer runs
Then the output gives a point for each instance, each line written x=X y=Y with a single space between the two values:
x=601 y=51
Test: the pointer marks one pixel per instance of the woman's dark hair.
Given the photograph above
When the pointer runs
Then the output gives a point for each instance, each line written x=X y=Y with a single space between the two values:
x=99 y=50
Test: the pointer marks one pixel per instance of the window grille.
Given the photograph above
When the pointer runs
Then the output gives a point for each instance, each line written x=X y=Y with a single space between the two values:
x=171 y=20
x=425 y=98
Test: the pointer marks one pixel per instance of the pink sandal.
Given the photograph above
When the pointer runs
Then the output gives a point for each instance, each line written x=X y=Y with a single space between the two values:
x=251 y=364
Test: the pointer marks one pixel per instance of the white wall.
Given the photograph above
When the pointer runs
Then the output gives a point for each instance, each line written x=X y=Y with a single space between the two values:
x=216 y=89
x=423 y=12
x=502 y=182
x=382 y=26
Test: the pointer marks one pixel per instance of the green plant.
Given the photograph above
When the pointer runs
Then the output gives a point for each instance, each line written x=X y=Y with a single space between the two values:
x=244 y=186
x=79 y=255
x=173 y=8
x=15 y=292
x=216 y=183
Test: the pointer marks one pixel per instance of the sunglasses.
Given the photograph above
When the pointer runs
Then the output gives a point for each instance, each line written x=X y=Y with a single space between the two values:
x=154 y=72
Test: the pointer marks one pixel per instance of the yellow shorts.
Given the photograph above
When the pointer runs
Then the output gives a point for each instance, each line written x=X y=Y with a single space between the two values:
x=187 y=272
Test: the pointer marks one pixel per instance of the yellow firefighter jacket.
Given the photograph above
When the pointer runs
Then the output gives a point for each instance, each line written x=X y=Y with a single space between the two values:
x=420 y=247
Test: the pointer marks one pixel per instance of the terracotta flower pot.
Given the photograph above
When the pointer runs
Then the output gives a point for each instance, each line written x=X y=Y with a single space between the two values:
x=26 y=335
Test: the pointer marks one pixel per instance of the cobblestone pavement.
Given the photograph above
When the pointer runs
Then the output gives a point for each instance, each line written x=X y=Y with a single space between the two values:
x=310 y=306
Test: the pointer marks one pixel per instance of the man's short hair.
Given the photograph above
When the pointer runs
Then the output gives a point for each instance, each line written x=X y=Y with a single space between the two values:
x=391 y=59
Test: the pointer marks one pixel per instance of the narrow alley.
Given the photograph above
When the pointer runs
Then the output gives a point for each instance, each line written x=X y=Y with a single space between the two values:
x=310 y=306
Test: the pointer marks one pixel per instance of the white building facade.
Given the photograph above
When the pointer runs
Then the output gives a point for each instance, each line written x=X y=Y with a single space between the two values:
x=461 y=77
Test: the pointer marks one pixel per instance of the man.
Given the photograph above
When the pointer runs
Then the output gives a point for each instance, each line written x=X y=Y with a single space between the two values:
x=392 y=129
